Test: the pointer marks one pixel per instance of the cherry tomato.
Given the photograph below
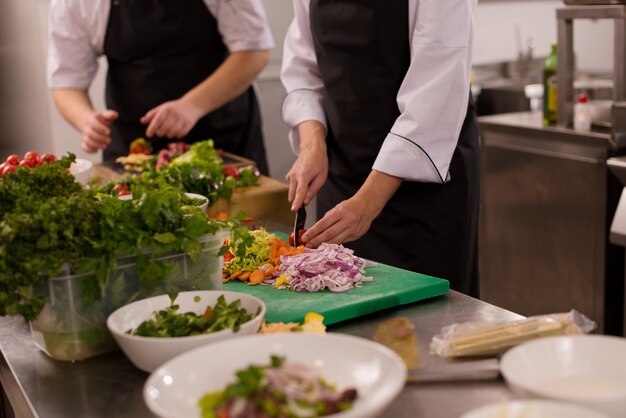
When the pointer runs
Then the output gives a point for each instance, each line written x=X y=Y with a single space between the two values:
x=230 y=171
x=32 y=156
x=228 y=256
x=121 y=189
x=9 y=168
x=13 y=159
x=47 y=159
x=300 y=233
x=26 y=163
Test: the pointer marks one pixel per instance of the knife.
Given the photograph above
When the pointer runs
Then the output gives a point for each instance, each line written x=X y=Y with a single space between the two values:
x=469 y=371
x=298 y=225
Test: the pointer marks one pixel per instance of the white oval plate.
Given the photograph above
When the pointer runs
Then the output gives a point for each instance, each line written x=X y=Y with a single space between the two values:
x=586 y=369
x=378 y=374
x=532 y=409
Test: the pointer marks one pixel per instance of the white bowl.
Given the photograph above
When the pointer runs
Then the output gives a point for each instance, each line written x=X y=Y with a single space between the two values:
x=586 y=369
x=203 y=206
x=377 y=373
x=81 y=169
x=532 y=409
x=148 y=353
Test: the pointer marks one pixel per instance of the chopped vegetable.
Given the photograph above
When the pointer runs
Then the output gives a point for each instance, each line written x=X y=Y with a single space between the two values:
x=330 y=266
x=313 y=323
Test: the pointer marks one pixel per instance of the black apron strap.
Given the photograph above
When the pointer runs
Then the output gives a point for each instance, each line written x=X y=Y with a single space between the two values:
x=363 y=54
x=158 y=50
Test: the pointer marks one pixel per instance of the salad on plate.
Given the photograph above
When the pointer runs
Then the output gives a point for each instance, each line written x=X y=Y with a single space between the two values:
x=281 y=389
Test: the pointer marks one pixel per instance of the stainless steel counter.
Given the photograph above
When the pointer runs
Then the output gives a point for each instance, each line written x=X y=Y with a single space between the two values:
x=109 y=386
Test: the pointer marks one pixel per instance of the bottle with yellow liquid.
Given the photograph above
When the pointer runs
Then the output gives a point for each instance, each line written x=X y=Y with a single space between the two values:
x=550 y=109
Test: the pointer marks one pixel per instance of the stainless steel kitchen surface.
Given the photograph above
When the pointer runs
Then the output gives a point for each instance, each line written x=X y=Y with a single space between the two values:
x=110 y=386
x=547 y=200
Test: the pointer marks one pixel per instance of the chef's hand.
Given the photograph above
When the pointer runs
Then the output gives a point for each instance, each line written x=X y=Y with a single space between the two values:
x=173 y=119
x=96 y=132
x=346 y=222
x=310 y=170
x=351 y=219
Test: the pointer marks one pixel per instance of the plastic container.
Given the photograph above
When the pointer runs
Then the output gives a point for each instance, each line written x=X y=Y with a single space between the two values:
x=582 y=114
x=70 y=328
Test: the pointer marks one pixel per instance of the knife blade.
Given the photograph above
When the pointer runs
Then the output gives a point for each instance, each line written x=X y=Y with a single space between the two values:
x=469 y=371
x=299 y=225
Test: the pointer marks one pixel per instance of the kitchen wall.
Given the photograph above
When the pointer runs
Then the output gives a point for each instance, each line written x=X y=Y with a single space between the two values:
x=502 y=28
x=30 y=121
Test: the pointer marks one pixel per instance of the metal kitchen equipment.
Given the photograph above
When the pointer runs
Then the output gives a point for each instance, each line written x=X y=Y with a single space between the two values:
x=566 y=68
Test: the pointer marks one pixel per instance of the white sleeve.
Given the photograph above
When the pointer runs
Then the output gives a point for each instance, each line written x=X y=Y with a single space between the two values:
x=434 y=94
x=72 y=58
x=242 y=24
x=300 y=76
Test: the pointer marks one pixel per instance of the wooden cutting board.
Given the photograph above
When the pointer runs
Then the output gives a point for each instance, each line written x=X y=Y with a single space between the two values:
x=391 y=287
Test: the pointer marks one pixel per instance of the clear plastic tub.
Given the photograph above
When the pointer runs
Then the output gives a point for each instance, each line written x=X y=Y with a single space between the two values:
x=69 y=328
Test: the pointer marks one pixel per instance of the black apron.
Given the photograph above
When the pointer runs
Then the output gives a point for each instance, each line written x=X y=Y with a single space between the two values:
x=362 y=50
x=158 y=50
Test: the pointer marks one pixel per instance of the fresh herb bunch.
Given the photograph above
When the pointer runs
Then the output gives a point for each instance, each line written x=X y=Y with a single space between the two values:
x=170 y=323
x=47 y=220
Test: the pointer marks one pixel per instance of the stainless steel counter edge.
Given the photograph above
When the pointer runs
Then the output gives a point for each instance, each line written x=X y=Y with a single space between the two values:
x=109 y=386
x=530 y=124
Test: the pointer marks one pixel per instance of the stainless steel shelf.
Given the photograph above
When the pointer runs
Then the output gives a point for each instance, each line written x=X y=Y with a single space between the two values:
x=565 y=67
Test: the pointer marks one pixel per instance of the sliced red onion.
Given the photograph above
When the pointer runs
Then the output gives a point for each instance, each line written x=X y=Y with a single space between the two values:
x=330 y=266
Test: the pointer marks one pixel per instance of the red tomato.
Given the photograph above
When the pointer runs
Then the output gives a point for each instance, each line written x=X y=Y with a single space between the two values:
x=8 y=169
x=300 y=233
x=121 y=189
x=208 y=313
x=228 y=256
x=26 y=163
x=13 y=159
x=32 y=156
x=230 y=171
x=47 y=159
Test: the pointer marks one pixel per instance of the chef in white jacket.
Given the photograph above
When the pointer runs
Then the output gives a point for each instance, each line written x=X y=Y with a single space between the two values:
x=177 y=70
x=383 y=124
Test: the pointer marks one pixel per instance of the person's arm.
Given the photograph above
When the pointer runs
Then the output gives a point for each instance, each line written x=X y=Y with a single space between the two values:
x=73 y=47
x=76 y=108
x=434 y=95
x=245 y=31
x=174 y=119
x=302 y=110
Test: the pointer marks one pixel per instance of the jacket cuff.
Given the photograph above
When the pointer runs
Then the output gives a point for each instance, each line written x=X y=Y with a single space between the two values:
x=401 y=157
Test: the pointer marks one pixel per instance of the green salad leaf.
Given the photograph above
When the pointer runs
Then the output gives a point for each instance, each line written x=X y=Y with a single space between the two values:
x=170 y=323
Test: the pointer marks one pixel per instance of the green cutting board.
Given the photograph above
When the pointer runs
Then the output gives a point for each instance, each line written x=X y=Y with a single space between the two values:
x=391 y=287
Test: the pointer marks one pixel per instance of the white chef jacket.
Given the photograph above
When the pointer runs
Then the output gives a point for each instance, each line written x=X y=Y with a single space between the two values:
x=432 y=99
x=77 y=30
